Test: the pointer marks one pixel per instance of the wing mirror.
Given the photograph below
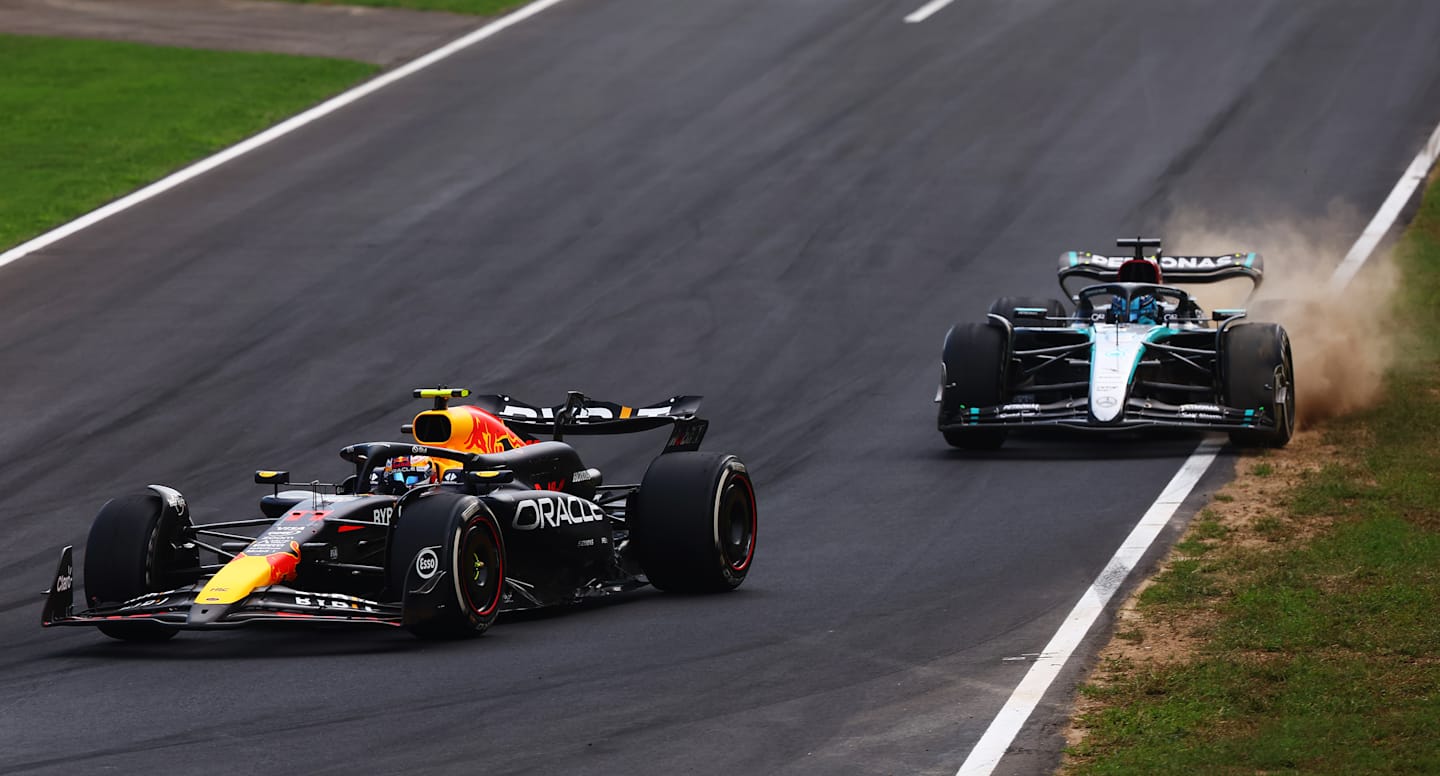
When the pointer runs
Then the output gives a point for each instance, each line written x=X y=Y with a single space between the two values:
x=1226 y=313
x=480 y=477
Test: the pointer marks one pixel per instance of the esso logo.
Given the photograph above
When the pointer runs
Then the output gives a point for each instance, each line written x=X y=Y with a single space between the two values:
x=427 y=563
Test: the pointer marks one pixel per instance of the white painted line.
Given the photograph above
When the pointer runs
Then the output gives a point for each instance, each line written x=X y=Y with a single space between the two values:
x=992 y=745
x=997 y=738
x=274 y=133
x=1385 y=217
x=926 y=11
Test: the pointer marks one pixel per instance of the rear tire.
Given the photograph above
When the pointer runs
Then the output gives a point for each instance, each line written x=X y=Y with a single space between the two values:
x=468 y=553
x=1005 y=308
x=694 y=521
x=1259 y=372
x=132 y=551
x=976 y=361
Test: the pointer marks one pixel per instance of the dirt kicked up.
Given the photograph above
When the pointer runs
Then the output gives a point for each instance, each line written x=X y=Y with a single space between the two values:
x=1341 y=337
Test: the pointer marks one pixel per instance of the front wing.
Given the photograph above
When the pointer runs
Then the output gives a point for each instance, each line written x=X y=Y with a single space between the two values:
x=1139 y=413
x=178 y=608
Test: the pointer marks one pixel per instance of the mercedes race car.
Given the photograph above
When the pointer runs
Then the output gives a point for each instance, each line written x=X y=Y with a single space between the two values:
x=1135 y=351
x=477 y=516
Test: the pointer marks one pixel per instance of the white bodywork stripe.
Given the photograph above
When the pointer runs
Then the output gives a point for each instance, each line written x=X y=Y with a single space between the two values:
x=1113 y=353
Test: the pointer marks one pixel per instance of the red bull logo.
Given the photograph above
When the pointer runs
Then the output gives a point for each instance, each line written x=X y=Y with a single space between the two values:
x=489 y=434
x=284 y=565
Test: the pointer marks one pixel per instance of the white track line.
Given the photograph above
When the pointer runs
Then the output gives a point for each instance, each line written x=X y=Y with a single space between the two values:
x=926 y=11
x=1385 y=217
x=274 y=133
x=997 y=738
x=992 y=745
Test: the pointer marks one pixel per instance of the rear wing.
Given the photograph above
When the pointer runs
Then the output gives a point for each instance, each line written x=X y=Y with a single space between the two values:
x=1176 y=269
x=582 y=415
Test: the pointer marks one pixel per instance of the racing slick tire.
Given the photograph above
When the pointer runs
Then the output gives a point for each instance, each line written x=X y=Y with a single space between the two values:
x=694 y=521
x=446 y=566
x=975 y=368
x=1005 y=308
x=1259 y=372
x=133 y=549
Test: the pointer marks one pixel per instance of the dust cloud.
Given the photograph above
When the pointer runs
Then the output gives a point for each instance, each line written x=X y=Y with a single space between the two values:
x=1342 y=340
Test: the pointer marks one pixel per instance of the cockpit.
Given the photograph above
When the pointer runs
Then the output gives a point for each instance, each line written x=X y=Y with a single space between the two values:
x=1142 y=303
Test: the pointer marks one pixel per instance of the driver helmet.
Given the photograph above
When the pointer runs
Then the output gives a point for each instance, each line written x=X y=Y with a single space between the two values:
x=404 y=472
x=1141 y=309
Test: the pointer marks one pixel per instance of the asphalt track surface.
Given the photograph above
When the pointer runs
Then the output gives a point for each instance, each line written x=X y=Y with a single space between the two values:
x=382 y=36
x=779 y=205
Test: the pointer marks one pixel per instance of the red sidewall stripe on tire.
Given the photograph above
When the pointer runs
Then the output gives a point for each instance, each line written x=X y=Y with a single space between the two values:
x=499 y=571
x=754 y=526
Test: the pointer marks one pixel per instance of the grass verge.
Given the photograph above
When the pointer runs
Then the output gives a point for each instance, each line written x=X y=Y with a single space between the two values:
x=478 y=7
x=1295 y=628
x=87 y=121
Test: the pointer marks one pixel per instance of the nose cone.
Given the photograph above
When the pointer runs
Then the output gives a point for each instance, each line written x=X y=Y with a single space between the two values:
x=240 y=576
x=206 y=614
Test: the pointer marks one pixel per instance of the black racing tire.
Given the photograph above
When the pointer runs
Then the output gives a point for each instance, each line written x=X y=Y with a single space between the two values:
x=693 y=522
x=130 y=552
x=975 y=374
x=1005 y=308
x=1259 y=372
x=468 y=549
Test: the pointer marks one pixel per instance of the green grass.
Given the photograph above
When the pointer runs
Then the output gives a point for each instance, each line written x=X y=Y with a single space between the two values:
x=481 y=7
x=84 y=122
x=1325 y=656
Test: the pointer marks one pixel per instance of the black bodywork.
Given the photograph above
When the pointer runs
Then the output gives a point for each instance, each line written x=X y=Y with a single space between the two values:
x=565 y=534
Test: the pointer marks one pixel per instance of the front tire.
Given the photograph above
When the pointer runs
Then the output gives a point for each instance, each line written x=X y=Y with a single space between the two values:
x=133 y=549
x=457 y=539
x=694 y=522
x=1260 y=373
x=975 y=372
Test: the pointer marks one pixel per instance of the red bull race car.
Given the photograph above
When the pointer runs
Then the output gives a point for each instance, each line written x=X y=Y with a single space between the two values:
x=1136 y=351
x=476 y=517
